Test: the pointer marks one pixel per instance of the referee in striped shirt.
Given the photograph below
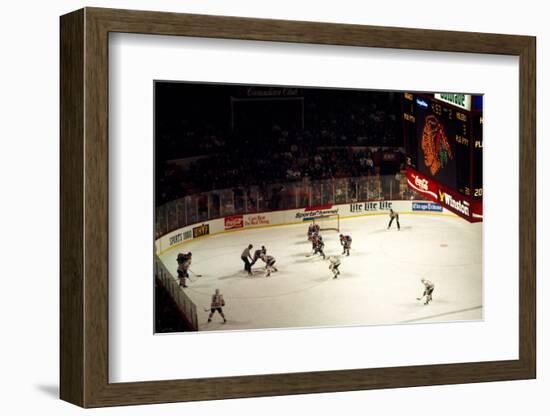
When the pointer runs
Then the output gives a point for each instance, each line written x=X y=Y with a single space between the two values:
x=394 y=216
x=245 y=258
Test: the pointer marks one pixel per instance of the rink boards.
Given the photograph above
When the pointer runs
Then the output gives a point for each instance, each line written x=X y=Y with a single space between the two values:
x=242 y=222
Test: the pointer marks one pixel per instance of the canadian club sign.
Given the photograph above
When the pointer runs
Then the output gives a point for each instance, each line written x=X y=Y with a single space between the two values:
x=465 y=207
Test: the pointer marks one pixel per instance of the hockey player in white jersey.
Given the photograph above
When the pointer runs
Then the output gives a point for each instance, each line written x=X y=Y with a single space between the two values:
x=428 y=290
x=269 y=264
x=216 y=305
x=334 y=263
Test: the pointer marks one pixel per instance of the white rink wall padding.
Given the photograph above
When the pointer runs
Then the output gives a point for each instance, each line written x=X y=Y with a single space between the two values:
x=379 y=281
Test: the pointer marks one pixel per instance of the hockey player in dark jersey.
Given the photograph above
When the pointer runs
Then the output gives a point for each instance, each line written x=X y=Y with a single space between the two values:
x=394 y=216
x=318 y=246
x=345 y=241
x=258 y=255
x=312 y=231
x=269 y=264
x=313 y=238
x=184 y=262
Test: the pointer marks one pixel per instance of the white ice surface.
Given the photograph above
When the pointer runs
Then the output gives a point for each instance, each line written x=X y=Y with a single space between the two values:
x=379 y=282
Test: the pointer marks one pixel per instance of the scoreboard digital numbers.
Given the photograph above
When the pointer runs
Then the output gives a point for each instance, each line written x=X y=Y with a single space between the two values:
x=477 y=130
x=444 y=150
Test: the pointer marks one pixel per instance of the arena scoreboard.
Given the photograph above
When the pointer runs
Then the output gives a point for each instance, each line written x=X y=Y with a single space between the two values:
x=444 y=150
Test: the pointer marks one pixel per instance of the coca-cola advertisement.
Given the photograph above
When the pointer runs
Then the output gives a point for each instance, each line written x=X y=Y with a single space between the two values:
x=233 y=222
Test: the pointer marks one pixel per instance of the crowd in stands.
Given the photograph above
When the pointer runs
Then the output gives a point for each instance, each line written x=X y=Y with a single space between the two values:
x=337 y=141
x=245 y=168
x=329 y=120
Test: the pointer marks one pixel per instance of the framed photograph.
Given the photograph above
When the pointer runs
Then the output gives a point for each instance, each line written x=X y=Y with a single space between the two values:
x=256 y=207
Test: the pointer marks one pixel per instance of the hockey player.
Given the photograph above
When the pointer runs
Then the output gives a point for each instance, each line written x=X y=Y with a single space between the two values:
x=313 y=238
x=428 y=290
x=184 y=262
x=318 y=246
x=269 y=264
x=333 y=266
x=312 y=231
x=394 y=216
x=258 y=255
x=345 y=240
x=216 y=305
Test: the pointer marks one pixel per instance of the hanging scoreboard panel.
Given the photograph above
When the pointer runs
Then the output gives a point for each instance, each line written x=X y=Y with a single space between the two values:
x=443 y=144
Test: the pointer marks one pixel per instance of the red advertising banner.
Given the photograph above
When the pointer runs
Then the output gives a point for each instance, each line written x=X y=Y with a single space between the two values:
x=233 y=222
x=465 y=207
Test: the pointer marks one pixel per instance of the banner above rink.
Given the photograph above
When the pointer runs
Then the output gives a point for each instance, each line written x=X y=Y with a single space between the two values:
x=468 y=208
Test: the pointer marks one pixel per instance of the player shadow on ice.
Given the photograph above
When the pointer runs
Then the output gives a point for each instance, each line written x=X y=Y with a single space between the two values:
x=300 y=255
x=386 y=230
x=242 y=275
x=200 y=286
x=324 y=279
x=415 y=305
x=219 y=325
x=302 y=258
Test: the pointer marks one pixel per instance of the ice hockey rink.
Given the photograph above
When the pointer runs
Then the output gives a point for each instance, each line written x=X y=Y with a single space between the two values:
x=378 y=284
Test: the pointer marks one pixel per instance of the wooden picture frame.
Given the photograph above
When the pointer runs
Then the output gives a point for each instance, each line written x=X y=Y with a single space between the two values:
x=84 y=207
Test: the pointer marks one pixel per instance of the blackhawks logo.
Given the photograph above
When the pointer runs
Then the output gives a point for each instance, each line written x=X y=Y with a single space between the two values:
x=435 y=145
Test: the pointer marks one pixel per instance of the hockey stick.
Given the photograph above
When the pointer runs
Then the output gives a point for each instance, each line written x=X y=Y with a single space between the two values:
x=196 y=275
